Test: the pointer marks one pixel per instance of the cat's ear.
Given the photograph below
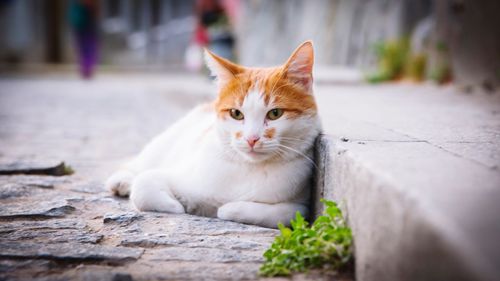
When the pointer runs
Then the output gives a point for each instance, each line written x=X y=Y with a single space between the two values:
x=299 y=66
x=221 y=68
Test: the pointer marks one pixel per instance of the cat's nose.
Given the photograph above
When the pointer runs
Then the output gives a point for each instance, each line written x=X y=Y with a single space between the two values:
x=252 y=140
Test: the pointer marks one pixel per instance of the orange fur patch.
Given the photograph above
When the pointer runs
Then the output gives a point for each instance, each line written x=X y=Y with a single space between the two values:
x=277 y=90
x=269 y=133
x=238 y=135
x=287 y=87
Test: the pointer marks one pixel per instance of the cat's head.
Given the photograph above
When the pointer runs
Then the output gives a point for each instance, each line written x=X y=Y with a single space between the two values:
x=266 y=114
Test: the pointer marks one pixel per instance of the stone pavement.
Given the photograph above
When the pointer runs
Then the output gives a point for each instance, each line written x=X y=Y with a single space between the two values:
x=68 y=227
x=417 y=170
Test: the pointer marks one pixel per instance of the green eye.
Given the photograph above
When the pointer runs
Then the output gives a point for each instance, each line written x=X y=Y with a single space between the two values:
x=236 y=114
x=274 y=114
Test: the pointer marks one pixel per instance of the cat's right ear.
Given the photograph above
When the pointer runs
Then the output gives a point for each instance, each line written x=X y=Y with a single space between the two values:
x=222 y=69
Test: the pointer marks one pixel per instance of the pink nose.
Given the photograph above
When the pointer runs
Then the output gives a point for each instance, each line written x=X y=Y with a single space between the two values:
x=252 y=141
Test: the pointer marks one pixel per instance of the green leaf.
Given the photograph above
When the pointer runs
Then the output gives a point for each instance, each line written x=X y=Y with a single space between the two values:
x=326 y=243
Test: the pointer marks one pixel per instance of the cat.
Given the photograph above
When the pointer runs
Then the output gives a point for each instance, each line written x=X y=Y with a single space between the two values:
x=246 y=157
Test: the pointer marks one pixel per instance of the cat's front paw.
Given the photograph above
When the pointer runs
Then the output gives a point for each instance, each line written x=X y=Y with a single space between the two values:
x=230 y=211
x=151 y=192
x=119 y=183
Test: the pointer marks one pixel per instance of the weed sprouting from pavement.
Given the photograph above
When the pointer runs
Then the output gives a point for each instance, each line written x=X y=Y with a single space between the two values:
x=326 y=244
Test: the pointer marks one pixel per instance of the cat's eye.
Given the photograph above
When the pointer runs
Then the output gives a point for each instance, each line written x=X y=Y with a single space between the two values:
x=274 y=114
x=236 y=114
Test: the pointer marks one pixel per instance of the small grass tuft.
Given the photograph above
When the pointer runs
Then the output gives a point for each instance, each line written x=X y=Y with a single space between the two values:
x=67 y=170
x=326 y=244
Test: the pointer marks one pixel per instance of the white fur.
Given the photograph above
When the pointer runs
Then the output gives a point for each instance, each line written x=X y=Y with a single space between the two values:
x=199 y=166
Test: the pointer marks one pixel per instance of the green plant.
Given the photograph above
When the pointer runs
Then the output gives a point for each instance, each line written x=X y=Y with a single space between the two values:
x=68 y=170
x=327 y=244
x=415 y=67
x=441 y=71
x=392 y=57
x=441 y=74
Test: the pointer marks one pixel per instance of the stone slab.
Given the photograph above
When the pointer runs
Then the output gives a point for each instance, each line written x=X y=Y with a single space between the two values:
x=56 y=168
x=210 y=255
x=56 y=208
x=44 y=224
x=94 y=126
x=69 y=252
x=194 y=241
x=122 y=218
x=415 y=170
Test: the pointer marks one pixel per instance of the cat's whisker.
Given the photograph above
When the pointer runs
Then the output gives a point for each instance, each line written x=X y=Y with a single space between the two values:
x=281 y=154
x=306 y=143
x=225 y=152
x=295 y=142
x=299 y=153
x=289 y=138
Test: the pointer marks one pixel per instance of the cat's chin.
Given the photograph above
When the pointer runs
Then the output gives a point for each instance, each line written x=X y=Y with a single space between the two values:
x=255 y=157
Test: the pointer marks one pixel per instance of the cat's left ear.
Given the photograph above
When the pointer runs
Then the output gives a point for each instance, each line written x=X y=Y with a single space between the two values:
x=221 y=68
x=299 y=66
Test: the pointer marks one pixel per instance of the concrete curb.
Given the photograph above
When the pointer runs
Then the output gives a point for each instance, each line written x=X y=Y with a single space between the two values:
x=397 y=236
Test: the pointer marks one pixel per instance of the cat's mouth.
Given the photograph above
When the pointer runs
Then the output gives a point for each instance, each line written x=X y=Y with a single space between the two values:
x=253 y=152
x=254 y=155
x=257 y=153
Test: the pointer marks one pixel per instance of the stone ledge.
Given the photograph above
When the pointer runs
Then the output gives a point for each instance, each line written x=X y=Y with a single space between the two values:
x=418 y=210
x=397 y=237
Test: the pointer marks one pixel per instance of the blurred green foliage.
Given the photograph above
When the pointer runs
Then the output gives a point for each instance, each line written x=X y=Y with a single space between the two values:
x=392 y=57
x=415 y=67
x=327 y=244
x=441 y=72
x=395 y=60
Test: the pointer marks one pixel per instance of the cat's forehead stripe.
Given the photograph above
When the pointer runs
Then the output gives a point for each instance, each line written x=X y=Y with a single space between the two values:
x=272 y=87
x=253 y=99
x=255 y=96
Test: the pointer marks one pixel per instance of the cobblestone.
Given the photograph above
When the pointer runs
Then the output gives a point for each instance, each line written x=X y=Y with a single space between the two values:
x=69 y=227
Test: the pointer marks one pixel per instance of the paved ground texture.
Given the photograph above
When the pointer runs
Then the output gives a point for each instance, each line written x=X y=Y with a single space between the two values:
x=416 y=168
x=69 y=227
x=60 y=228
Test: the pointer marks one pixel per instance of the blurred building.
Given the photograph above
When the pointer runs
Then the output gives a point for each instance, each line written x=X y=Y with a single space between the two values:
x=151 y=33
x=343 y=31
x=462 y=35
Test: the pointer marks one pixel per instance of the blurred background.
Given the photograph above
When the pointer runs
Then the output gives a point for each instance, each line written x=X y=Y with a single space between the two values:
x=443 y=41
x=410 y=89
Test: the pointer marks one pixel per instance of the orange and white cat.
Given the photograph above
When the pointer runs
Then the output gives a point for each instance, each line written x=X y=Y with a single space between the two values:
x=246 y=157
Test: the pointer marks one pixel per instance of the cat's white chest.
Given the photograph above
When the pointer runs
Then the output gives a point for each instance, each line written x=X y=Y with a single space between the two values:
x=210 y=181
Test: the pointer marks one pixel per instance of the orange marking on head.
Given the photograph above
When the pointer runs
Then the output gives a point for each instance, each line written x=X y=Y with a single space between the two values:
x=231 y=95
x=291 y=97
x=238 y=135
x=269 y=133
x=286 y=87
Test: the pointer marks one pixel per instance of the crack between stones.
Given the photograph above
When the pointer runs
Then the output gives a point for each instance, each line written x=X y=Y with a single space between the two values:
x=416 y=140
x=72 y=261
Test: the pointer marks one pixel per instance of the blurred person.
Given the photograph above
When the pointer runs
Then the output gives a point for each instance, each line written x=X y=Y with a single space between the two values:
x=214 y=22
x=213 y=31
x=83 y=19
